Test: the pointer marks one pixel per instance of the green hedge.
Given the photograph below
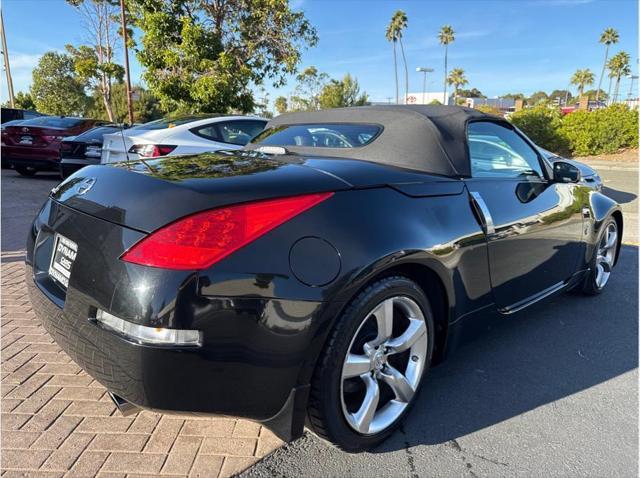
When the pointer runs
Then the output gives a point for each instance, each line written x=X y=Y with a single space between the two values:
x=580 y=133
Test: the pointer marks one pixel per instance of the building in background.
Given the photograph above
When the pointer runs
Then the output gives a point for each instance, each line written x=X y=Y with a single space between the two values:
x=505 y=105
x=427 y=98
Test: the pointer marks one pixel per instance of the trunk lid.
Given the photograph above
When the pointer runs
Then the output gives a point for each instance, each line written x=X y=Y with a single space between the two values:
x=147 y=195
x=32 y=136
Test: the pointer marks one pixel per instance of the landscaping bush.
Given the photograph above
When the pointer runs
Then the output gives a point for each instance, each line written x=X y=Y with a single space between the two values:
x=601 y=131
x=581 y=133
x=543 y=125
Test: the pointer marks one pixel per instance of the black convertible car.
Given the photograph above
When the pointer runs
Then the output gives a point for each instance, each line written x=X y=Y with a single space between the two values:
x=314 y=277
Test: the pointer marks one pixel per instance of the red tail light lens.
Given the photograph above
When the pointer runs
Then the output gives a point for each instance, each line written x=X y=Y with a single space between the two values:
x=152 y=150
x=200 y=240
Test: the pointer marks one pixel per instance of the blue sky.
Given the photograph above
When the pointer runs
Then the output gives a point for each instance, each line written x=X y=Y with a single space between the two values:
x=503 y=45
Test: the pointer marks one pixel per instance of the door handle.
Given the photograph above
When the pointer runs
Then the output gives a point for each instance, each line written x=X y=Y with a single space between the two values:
x=483 y=212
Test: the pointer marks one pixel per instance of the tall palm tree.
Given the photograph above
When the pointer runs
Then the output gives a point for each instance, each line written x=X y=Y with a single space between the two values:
x=446 y=36
x=391 y=36
x=609 y=37
x=619 y=66
x=582 y=78
x=394 y=34
x=457 y=79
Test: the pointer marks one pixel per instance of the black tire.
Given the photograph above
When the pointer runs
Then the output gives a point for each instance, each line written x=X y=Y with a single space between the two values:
x=590 y=286
x=325 y=415
x=26 y=170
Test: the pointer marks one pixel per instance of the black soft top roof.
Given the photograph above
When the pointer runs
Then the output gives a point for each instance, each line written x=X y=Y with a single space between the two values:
x=429 y=138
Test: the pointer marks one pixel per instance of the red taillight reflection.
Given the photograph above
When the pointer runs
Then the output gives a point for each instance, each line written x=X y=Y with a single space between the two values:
x=201 y=240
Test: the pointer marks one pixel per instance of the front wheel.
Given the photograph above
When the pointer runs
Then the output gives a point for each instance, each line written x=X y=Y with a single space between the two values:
x=603 y=259
x=26 y=170
x=371 y=369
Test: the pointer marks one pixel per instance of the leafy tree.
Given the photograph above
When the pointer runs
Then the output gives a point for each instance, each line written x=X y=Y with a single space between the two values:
x=94 y=63
x=542 y=125
x=343 y=93
x=514 y=96
x=559 y=96
x=56 y=89
x=446 y=36
x=582 y=78
x=306 y=95
x=472 y=93
x=202 y=55
x=280 y=104
x=457 y=79
x=394 y=34
x=23 y=101
x=537 y=98
x=434 y=102
x=593 y=94
x=609 y=37
x=618 y=67
x=146 y=107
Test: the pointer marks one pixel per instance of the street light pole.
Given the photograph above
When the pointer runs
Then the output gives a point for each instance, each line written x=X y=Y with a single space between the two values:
x=7 y=68
x=633 y=78
x=123 y=21
x=425 y=70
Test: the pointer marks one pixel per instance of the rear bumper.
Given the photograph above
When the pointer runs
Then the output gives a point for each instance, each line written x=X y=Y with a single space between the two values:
x=253 y=352
x=47 y=164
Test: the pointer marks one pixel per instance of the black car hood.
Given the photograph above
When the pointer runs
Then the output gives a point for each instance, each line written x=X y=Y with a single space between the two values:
x=145 y=195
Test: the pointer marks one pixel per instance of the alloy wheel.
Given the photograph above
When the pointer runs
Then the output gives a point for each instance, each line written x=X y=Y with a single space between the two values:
x=606 y=254
x=383 y=366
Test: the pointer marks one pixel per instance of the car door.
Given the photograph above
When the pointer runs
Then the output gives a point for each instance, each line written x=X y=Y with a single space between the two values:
x=533 y=225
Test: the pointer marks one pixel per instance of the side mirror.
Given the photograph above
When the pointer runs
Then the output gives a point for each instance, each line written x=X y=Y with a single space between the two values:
x=564 y=172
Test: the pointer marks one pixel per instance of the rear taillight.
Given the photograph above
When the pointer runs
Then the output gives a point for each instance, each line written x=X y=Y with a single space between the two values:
x=51 y=139
x=152 y=150
x=200 y=240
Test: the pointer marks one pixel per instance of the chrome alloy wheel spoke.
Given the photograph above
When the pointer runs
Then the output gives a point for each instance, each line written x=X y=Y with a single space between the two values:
x=398 y=383
x=606 y=255
x=364 y=416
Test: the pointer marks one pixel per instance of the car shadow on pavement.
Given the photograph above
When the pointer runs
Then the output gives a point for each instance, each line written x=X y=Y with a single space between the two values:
x=621 y=197
x=547 y=352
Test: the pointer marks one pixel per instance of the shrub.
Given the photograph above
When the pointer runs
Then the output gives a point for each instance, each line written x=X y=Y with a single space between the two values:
x=543 y=125
x=490 y=110
x=605 y=130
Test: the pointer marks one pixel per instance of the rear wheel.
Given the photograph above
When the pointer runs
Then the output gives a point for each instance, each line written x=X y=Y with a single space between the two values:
x=370 y=372
x=26 y=170
x=603 y=258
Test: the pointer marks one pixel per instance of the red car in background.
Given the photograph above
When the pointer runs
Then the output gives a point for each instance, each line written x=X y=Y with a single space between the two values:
x=34 y=145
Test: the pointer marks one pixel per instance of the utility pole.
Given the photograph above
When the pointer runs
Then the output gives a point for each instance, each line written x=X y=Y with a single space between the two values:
x=123 y=21
x=633 y=78
x=424 y=81
x=7 y=68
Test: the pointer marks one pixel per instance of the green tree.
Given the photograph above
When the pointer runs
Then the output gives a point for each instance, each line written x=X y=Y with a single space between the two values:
x=280 y=104
x=609 y=37
x=582 y=78
x=56 y=89
x=394 y=34
x=94 y=63
x=306 y=95
x=146 y=107
x=23 y=101
x=514 y=96
x=593 y=94
x=446 y=36
x=472 y=93
x=537 y=98
x=203 y=55
x=457 y=80
x=618 y=67
x=343 y=93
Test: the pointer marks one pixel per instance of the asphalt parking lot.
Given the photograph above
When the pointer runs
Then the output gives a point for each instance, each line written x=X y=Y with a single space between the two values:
x=551 y=392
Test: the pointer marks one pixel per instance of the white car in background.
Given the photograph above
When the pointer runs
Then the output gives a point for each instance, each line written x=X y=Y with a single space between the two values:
x=180 y=135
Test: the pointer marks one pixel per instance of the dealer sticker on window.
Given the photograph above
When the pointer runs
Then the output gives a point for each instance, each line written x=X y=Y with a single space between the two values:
x=63 y=257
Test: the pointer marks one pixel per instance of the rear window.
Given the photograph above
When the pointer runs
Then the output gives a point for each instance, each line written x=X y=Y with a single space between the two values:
x=238 y=132
x=171 y=122
x=53 y=122
x=96 y=133
x=320 y=135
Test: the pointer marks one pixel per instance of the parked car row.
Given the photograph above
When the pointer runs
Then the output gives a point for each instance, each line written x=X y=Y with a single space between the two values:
x=66 y=144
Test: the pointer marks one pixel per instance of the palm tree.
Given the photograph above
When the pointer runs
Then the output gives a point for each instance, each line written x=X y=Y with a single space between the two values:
x=394 y=33
x=582 y=78
x=446 y=36
x=619 y=66
x=457 y=79
x=609 y=37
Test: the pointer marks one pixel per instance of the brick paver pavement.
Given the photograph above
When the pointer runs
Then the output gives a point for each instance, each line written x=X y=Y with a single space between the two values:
x=57 y=421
